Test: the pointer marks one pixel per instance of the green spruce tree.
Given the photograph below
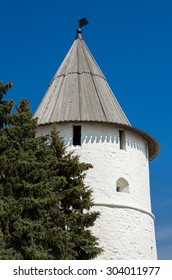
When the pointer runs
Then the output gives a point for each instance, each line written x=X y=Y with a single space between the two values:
x=44 y=203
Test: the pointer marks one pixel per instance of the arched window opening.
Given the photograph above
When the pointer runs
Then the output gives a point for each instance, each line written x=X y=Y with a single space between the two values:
x=122 y=185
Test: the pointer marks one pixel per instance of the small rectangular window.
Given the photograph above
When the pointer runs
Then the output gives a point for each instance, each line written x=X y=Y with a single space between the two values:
x=122 y=142
x=146 y=151
x=77 y=135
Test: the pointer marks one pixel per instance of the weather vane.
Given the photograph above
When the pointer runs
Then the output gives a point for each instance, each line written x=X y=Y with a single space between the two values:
x=81 y=22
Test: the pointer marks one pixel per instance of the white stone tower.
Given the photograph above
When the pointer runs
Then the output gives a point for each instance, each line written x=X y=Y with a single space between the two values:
x=88 y=116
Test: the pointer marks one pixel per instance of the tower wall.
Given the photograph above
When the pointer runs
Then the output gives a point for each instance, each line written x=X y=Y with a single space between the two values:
x=120 y=183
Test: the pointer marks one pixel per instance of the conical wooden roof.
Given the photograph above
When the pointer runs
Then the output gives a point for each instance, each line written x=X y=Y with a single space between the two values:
x=79 y=91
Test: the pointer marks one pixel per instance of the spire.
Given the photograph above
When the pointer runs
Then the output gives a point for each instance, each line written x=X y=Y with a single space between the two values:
x=79 y=91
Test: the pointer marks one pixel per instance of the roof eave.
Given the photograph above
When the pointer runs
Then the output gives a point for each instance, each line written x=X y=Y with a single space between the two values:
x=153 y=144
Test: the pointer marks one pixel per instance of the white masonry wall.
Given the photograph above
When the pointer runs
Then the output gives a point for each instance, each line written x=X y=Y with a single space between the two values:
x=120 y=183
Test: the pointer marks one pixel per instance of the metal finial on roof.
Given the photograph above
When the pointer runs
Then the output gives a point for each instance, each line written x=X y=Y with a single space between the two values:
x=81 y=22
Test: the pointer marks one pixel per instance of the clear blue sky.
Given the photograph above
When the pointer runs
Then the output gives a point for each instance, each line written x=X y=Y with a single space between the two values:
x=132 y=43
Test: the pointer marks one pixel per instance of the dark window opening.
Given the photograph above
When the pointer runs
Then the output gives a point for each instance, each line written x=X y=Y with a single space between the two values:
x=77 y=135
x=121 y=140
x=118 y=189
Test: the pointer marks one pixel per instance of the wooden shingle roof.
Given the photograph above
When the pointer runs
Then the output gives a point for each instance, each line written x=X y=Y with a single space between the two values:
x=79 y=91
